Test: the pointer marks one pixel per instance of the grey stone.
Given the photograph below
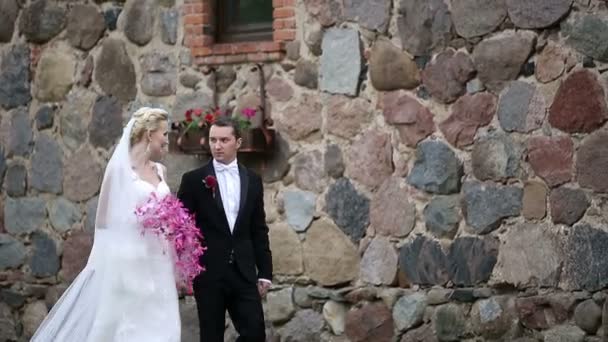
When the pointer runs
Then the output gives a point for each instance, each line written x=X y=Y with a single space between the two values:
x=45 y=260
x=424 y=262
x=185 y=101
x=330 y=257
x=279 y=305
x=424 y=26
x=437 y=295
x=496 y=157
x=91 y=211
x=586 y=259
x=20 y=134
x=437 y=169
x=588 y=33
x=313 y=38
x=159 y=74
x=521 y=108
x=83 y=178
x=564 y=333
x=299 y=208
x=33 y=315
x=15 y=77
x=472 y=260
x=463 y=295
x=333 y=161
x=379 y=263
x=139 y=21
x=335 y=316
x=494 y=317
x=487 y=205
x=110 y=16
x=278 y=163
x=63 y=214
x=286 y=250
x=2 y=164
x=373 y=15
x=449 y=322
x=225 y=75
x=74 y=117
x=189 y=80
x=307 y=74
x=106 y=123
x=55 y=74
x=340 y=62
x=9 y=9
x=45 y=117
x=326 y=12
x=16 y=180
x=531 y=255
x=41 y=21
x=8 y=325
x=475 y=86
x=588 y=316
x=392 y=69
x=13 y=298
x=309 y=171
x=510 y=49
x=348 y=208
x=408 y=311
x=567 y=205
x=114 y=70
x=24 y=215
x=301 y=298
x=533 y=14
x=168 y=25
x=306 y=326
x=12 y=252
x=85 y=26
x=47 y=165
x=442 y=216
x=292 y=50
x=473 y=18
x=189 y=319
x=591 y=158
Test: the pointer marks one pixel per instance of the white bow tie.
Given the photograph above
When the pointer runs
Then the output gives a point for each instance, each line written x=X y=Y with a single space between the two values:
x=226 y=168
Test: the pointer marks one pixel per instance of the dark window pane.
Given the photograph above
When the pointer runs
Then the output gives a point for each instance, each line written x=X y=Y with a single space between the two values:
x=244 y=20
x=254 y=11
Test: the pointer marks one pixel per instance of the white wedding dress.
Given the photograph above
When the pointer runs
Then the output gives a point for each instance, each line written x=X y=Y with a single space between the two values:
x=127 y=290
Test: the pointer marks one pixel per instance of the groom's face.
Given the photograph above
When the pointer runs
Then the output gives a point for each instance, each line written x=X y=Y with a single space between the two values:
x=223 y=143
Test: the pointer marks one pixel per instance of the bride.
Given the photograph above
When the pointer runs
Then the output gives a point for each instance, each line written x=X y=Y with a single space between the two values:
x=127 y=290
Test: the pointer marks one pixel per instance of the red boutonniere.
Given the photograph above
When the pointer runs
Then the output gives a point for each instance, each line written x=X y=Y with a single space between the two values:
x=210 y=183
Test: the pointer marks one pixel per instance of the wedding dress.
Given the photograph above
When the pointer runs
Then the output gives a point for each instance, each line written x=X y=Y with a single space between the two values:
x=127 y=290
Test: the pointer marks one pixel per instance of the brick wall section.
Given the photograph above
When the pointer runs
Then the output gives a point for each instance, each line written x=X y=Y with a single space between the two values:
x=198 y=35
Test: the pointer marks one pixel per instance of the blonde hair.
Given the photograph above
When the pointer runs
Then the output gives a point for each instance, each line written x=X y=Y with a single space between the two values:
x=146 y=120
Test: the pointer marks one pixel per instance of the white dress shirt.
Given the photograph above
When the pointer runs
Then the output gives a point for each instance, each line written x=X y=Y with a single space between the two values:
x=229 y=183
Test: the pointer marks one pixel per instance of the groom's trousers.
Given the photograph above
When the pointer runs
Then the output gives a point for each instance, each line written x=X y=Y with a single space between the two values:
x=231 y=292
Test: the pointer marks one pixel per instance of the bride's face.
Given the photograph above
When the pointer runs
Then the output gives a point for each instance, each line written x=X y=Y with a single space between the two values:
x=159 y=142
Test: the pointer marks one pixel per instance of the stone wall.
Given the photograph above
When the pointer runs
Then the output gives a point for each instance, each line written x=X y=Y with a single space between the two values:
x=439 y=174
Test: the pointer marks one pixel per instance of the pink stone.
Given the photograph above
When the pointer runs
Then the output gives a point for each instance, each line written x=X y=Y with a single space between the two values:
x=579 y=105
x=551 y=158
x=468 y=114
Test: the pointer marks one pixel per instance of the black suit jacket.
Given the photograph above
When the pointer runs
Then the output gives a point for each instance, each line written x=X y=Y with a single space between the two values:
x=249 y=240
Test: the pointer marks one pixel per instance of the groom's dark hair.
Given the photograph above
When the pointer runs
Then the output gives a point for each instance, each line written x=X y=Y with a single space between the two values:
x=228 y=121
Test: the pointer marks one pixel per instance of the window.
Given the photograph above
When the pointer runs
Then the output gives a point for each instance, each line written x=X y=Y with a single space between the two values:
x=244 y=20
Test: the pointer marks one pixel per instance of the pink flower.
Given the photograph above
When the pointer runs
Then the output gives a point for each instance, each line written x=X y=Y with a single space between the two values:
x=249 y=112
x=166 y=217
x=210 y=183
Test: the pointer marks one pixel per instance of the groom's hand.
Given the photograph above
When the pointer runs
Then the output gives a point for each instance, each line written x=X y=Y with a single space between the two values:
x=263 y=287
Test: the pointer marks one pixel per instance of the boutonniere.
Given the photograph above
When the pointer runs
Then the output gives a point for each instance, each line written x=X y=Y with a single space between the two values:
x=210 y=183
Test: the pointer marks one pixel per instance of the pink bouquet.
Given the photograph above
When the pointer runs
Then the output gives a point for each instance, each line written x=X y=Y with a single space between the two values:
x=166 y=216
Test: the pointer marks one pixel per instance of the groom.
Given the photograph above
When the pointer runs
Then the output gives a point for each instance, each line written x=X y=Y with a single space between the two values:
x=227 y=200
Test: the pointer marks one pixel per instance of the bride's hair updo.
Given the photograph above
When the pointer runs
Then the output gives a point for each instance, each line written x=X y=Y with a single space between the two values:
x=146 y=120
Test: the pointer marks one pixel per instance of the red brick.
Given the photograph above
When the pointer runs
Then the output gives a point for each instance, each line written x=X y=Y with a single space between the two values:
x=289 y=3
x=269 y=46
x=246 y=47
x=289 y=23
x=277 y=24
x=283 y=35
x=232 y=59
x=277 y=3
x=283 y=13
x=201 y=51
x=193 y=19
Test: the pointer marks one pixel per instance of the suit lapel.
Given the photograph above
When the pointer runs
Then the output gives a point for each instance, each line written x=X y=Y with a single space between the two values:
x=244 y=187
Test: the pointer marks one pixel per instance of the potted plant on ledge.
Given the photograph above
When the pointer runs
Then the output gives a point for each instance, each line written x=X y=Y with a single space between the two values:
x=193 y=130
